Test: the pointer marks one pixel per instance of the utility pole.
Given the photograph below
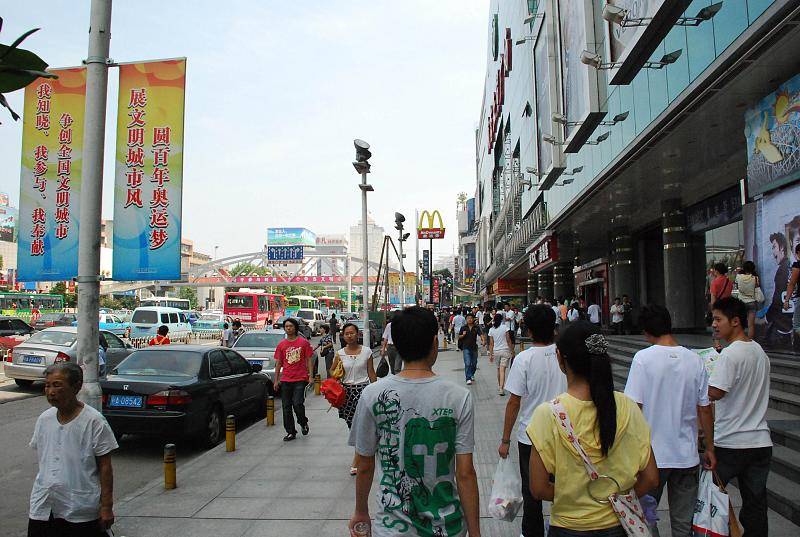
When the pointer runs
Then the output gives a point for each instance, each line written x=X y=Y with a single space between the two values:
x=398 y=225
x=362 y=166
x=417 y=285
x=91 y=200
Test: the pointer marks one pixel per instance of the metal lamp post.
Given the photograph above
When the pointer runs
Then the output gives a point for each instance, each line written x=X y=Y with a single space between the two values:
x=362 y=166
x=398 y=220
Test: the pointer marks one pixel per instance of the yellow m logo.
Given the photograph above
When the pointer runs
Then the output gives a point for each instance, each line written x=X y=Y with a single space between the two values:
x=430 y=231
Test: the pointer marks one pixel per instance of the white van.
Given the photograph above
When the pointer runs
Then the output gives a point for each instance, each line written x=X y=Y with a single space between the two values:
x=146 y=320
x=314 y=318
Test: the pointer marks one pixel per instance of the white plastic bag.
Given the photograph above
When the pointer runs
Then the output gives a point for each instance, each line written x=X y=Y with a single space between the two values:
x=506 y=498
x=711 y=509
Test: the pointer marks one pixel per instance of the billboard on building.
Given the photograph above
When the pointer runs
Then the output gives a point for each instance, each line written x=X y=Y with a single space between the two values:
x=50 y=177
x=284 y=253
x=409 y=282
x=291 y=236
x=8 y=224
x=148 y=184
x=631 y=46
x=772 y=129
x=580 y=87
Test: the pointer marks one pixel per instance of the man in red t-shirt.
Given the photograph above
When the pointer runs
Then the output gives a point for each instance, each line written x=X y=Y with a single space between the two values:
x=293 y=363
x=161 y=338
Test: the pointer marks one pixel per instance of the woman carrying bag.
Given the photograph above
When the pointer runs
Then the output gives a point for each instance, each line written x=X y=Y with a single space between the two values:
x=596 y=444
x=354 y=363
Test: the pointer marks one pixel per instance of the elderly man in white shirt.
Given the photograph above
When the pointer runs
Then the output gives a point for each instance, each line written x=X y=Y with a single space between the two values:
x=73 y=492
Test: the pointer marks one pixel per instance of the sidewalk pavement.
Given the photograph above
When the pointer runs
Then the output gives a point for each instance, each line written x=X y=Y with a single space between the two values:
x=268 y=487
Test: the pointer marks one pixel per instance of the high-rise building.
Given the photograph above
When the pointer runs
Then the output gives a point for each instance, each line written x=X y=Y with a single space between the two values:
x=375 y=234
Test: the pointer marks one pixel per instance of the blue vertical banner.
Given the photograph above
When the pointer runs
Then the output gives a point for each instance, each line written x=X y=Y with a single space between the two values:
x=148 y=184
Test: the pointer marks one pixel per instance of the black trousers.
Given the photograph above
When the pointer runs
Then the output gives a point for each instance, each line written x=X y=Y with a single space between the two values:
x=58 y=527
x=293 y=397
x=532 y=518
x=750 y=467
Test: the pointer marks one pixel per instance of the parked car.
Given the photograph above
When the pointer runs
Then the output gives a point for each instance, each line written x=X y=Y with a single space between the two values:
x=374 y=333
x=192 y=316
x=209 y=321
x=305 y=329
x=182 y=389
x=111 y=323
x=27 y=361
x=146 y=320
x=47 y=320
x=13 y=331
x=258 y=347
x=314 y=318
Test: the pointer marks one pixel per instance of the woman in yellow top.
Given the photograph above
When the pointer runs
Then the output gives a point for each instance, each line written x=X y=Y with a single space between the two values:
x=612 y=431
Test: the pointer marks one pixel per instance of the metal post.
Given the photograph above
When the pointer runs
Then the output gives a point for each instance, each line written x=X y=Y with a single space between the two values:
x=170 y=480
x=417 y=285
x=402 y=274
x=91 y=199
x=365 y=258
x=349 y=286
x=430 y=273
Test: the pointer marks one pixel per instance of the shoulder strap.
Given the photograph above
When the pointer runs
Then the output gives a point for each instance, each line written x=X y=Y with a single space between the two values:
x=563 y=421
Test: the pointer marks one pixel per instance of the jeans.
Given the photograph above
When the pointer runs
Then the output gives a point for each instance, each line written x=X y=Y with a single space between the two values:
x=616 y=531
x=682 y=494
x=470 y=362
x=532 y=518
x=751 y=467
x=395 y=362
x=293 y=397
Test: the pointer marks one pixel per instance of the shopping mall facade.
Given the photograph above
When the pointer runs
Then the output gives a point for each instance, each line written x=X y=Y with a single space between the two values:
x=627 y=157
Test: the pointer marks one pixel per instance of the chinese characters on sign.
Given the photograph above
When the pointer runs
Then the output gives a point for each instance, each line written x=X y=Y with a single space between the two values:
x=288 y=279
x=543 y=253
x=284 y=253
x=149 y=176
x=51 y=176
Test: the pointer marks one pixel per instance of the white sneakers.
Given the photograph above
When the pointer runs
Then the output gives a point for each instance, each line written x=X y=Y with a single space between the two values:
x=469 y=382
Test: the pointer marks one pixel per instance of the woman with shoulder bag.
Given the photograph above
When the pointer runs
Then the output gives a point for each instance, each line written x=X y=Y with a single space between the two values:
x=595 y=442
x=354 y=361
x=326 y=349
x=749 y=290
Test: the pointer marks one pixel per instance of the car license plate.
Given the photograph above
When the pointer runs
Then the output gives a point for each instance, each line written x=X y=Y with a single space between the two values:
x=29 y=359
x=255 y=362
x=127 y=401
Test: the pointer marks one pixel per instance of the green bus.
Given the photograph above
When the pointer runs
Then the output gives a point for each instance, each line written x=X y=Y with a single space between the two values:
x=22 y=304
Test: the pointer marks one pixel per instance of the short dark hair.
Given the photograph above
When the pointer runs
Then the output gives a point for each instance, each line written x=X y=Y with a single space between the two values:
x=540 y=321
x=731 y=307
x=290 y=320
x=71 y=370
x=721 y=268
x=237 y=322
x=749 y=267
x=326 y=328
x=413 y=330
x=163 y=330
x=655 y=320
x=780 y=239
x=470 y=314
x=225 y=325
x=347 y=325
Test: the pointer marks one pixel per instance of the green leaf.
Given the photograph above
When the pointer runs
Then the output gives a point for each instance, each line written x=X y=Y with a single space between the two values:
x=16 y=68
x=19 y=40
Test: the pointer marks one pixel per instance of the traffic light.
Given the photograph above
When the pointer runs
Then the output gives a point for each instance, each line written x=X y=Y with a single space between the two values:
x=398 y=221
x=363 y=155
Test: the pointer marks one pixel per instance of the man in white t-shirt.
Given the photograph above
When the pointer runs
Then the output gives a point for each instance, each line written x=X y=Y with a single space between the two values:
x=388 y=350
x=73 y=491
x=535 y=377
x=740 y=386
x=670 y=384
x=510 y=320
x=593 y=311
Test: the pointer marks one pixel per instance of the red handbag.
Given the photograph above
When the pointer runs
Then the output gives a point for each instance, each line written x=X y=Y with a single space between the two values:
x=333 y=391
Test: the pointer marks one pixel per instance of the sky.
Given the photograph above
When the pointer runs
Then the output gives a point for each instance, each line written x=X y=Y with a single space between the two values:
x=275 y=94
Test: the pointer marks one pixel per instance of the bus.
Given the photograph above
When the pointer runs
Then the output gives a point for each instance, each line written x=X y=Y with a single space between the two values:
x=255 y=309
x=329 y=304
x=296 y=302
x=167 y=302
x=23 y=304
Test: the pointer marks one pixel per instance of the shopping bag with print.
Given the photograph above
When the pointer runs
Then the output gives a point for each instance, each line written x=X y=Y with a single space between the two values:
x=711 y=509
x=506 y=497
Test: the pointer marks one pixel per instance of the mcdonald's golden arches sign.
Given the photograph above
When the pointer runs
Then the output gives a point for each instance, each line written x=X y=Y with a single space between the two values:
x=429 y=231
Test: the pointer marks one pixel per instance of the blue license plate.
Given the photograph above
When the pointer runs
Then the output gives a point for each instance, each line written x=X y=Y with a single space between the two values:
x=256 y=362
x=126 y=401
x=28 y=359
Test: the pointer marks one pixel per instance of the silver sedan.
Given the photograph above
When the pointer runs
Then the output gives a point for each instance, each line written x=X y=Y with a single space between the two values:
x=258 y=347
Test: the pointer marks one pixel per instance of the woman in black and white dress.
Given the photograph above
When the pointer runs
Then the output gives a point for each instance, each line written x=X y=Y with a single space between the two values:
x=359 y=371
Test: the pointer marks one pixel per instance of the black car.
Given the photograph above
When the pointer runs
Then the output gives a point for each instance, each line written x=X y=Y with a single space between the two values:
x=14 y=326
x=305 y=329
x=47 y=320
x=182 y=389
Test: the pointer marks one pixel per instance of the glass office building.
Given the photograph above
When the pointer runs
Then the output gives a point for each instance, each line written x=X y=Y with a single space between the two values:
x=625 y=152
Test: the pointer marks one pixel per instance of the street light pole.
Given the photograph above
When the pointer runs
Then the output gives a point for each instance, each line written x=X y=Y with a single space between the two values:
x=402 y=274
x=417 y=285
x=91 y=200
x=362 y=166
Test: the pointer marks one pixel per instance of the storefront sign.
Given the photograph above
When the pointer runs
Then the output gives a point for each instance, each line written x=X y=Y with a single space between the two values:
x=716 y=211
x=499 y=96
x=149 y=171
x=436 y=290
x=426 y=265
x=291 y=236
x=771 y=129
x=284 y=253
x=632 y=46
x=506 y=286
x=426 y=228
x=543 y=254
x=50 y=178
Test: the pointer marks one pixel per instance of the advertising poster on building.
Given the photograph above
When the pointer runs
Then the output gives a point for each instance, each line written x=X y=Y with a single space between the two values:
x=409 y=282
x=544 y=124
x=291 y=236
x=772 y=129
x=148 y=185
x=772 y=231
x=50 y=177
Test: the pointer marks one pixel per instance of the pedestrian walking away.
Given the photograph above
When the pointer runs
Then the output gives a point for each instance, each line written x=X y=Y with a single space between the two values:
x=433 y=419
x=161 y=337
x=501 y=347
x=609 y=428
x=627 y=314
x=670 y=384
x=225 y=341
x=326 y=348
x=593 y=312
x=333 y=323
x=388 y=350
x=510 y=320
x=359 y=371
x=72 y=494
x=468 y=343
x=534 y=378
x=739 y=384
x=294 y=360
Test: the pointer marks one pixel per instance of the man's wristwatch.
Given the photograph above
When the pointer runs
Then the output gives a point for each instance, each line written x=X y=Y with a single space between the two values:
x=504 y=441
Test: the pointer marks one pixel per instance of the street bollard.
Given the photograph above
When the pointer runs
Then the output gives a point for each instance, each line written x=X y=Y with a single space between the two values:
x=317 y=383
x=521 y=346
x=270 y=411
x=444 y=341
x=170 y=479
x=230 y=433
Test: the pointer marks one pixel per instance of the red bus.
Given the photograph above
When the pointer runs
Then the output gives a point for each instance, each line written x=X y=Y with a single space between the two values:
x=328 y=304
x=254 y=309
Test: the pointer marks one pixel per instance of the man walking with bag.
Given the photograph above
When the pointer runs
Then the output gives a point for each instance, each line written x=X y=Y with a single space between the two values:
x=468 y=343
